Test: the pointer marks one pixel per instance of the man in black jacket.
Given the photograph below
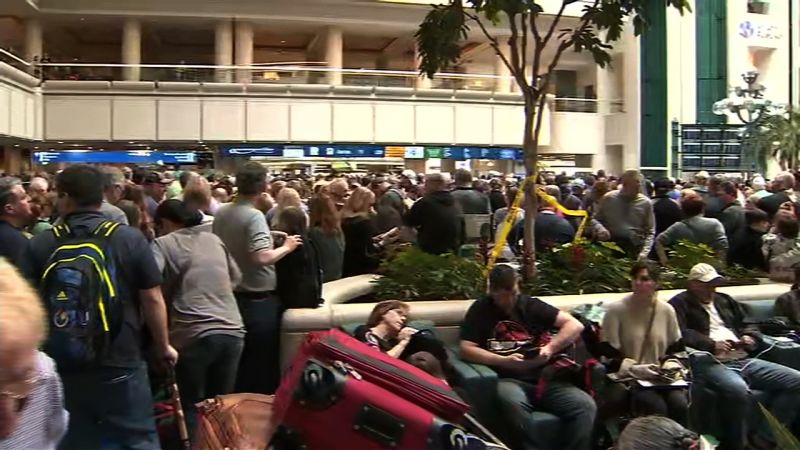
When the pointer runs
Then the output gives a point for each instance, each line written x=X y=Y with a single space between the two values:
x=666 y=210
x=437 y=218
x=714 y=323
x=783 y=191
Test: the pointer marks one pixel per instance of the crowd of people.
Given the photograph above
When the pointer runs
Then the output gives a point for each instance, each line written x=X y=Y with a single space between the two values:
x=201 y=267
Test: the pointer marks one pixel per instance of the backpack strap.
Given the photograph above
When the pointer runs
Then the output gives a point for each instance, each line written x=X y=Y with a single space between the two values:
x=105 y=229
x=61 y=231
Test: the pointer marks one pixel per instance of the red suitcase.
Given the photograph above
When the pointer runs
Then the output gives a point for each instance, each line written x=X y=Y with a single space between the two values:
x=342 y=394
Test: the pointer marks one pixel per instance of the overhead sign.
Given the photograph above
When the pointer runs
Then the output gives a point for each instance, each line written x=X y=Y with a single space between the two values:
x=275 y=150
x=111 y=157
x=460 y=153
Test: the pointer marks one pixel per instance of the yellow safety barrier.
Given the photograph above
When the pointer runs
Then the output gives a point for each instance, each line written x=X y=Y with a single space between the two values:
x=515 y=209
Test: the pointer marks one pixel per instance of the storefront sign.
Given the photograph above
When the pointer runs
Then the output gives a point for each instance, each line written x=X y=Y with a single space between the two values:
x=760 y=32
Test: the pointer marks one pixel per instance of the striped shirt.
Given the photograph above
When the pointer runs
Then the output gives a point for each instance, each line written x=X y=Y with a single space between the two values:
x=43 y=420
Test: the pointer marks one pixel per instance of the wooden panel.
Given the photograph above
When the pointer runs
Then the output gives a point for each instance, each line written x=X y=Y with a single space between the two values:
x=79 y=118
x=134 y=118
x=473 y=124
x=224 y=120
x=353 y=122
x=267 y=121
x=179 y=119
x=394 y=122
x=310 y=122
x=434 y=124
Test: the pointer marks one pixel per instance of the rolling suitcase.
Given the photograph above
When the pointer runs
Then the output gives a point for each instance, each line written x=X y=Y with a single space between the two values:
x=342 y=394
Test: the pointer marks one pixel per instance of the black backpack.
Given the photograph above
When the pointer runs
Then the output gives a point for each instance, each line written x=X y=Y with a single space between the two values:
x=79 y=291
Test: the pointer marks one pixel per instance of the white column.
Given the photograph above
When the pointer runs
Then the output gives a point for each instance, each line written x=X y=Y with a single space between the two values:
x=334 y=54
x=244 y=50
x=421 y=82
x=223 y=50
x=132 y=49
x=502 y=85
x=33 y=41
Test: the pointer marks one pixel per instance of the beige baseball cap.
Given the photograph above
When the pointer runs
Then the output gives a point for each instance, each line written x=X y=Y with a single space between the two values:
x=705 y=273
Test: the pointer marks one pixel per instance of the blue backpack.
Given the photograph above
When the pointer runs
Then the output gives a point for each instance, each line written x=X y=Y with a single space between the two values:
x=79 y=291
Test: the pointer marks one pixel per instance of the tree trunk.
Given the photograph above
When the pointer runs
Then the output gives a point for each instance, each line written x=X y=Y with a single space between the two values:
x=530 y=150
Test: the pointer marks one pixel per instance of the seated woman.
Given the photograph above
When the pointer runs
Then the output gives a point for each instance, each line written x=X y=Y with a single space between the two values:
x=387 y=332
x=386 y=328
x=642 y=331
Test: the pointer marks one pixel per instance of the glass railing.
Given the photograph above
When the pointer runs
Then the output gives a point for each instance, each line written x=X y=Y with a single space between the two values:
x=305 y=75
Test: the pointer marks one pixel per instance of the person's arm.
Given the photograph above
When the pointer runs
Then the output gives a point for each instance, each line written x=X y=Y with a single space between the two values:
x=661 y=251
x=233 y=269
x=720 y=243
x=673 y=334
x=155 y=316
x=649 y=229
x=569 y=330
x=261 y=244
x=470 y=351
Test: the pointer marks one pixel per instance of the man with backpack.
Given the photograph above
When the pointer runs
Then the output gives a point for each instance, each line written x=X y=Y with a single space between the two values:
x=509 y=332
x=97 y=279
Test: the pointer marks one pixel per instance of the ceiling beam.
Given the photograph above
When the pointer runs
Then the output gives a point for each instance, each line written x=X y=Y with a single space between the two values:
x=473 y=48
x=398 y=46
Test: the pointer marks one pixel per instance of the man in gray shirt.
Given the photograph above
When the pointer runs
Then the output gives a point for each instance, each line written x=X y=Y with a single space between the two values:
x=694 y=227
x=628 y=216
x=244 y=231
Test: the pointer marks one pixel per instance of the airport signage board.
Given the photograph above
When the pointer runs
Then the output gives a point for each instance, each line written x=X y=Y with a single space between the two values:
x=111 y=157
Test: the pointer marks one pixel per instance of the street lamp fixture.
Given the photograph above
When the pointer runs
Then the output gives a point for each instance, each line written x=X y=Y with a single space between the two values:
x=748 y=102
x=749 y=105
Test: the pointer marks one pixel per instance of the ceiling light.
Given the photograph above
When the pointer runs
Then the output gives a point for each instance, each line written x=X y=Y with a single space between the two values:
x=60 y=142
x=16 y=145
x=130 y=142
x=283 y=42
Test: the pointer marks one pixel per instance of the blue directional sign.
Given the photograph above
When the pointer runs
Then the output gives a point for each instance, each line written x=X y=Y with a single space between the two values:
x=242 y=151
x=111 y=157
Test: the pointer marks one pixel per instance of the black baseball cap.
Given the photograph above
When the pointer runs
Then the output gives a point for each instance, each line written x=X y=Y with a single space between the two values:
x=155 y=177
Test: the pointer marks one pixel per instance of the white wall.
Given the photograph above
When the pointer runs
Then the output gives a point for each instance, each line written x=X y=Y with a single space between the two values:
x=19 y=111
x=75 y=115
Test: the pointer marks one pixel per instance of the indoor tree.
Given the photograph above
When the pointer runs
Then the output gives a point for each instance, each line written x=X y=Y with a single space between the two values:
x=600 y=23
x=778 y=136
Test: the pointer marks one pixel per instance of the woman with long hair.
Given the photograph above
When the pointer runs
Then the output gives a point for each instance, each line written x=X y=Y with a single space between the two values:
x=298 y=273
x=287 y=198
x=386 y=328
x=136 y=210
x=326 y=233
x=360 y=249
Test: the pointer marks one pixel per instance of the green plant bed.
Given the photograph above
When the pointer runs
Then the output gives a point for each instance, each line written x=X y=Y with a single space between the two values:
x=580 y=267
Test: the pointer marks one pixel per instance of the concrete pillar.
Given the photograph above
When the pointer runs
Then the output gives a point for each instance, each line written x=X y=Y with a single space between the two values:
x=502 y=85
x=132 y=49
x=421 y=82
x=33 y=41
x=223 y=50
x=334 y=54
x=244 y=50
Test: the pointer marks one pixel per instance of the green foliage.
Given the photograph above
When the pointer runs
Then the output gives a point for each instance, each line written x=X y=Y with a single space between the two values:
x=581 y=267
x=784 y=438
x=412 y=274
x=445 y=27
x=778 y=137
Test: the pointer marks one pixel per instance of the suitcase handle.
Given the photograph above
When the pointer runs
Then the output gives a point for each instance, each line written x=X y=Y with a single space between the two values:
x=379 y=426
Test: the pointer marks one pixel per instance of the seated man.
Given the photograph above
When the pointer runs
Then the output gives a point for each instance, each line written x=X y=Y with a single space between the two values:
x=495 y=323
x=713 y=322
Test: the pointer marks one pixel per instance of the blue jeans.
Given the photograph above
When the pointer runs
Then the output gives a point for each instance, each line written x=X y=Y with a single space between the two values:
x=575 y=408
x=734 y=383
x=259 y=367
x=207 y=368
x=110 y=408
